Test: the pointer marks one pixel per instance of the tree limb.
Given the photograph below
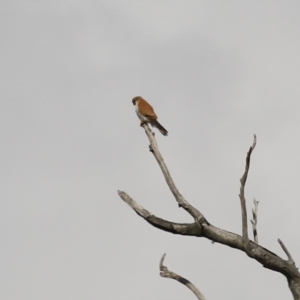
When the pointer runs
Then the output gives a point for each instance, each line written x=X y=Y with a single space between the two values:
x=164 y=272
x=202 y=228
x=195 y=213
x=267 y=258
x=192 y=229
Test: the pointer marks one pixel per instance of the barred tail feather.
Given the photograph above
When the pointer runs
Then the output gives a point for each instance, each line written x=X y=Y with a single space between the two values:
x=156 y=124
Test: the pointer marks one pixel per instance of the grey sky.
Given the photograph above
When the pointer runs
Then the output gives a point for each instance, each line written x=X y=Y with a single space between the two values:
x=216 y=72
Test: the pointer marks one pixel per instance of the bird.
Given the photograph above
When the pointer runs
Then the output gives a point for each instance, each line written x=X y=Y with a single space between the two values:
x=146 y=114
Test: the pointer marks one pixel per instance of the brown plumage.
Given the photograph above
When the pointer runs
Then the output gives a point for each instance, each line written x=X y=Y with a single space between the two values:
x=146 y=114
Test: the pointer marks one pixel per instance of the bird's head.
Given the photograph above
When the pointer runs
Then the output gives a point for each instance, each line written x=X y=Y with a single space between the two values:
x=136 y=100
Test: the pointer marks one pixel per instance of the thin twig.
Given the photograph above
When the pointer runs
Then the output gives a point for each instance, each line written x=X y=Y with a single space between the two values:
x=242 y=194
x=164 y=272
x=284 y=248
x=254 y=221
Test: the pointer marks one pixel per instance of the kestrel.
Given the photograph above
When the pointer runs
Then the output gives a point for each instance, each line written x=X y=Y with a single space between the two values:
x=146 y=114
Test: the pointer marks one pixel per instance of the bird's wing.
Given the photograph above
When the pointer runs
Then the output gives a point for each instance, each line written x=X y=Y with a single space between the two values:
x=146 y=109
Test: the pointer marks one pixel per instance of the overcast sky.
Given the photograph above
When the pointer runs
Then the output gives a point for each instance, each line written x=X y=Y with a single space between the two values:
x=216 y=72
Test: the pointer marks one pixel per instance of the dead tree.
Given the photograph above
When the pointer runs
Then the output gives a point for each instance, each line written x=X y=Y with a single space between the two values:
x=202 y=228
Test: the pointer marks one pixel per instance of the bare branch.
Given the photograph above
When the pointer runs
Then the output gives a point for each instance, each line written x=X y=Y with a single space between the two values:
x=267 y=258
x=254 y=221
x=242 y=194
x=195 y=213
x=164 y=272
x=191 y=229
x=284 y=248
x=140 y=210
x=202 y=228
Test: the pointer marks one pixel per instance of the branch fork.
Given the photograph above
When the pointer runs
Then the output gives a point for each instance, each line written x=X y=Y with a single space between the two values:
x=202 y=228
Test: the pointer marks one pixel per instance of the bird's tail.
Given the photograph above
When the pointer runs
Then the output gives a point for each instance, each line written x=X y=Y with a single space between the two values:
x=162 y=130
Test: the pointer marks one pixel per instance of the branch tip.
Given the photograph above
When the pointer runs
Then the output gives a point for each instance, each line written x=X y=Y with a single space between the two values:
x=254 y=141
x=161 y=263
x=284 y=248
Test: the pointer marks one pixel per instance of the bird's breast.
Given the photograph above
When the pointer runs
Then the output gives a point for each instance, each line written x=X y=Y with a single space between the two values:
x=140 y=116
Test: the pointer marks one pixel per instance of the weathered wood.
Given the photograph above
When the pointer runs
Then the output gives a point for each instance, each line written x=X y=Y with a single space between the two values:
x=202 y=228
